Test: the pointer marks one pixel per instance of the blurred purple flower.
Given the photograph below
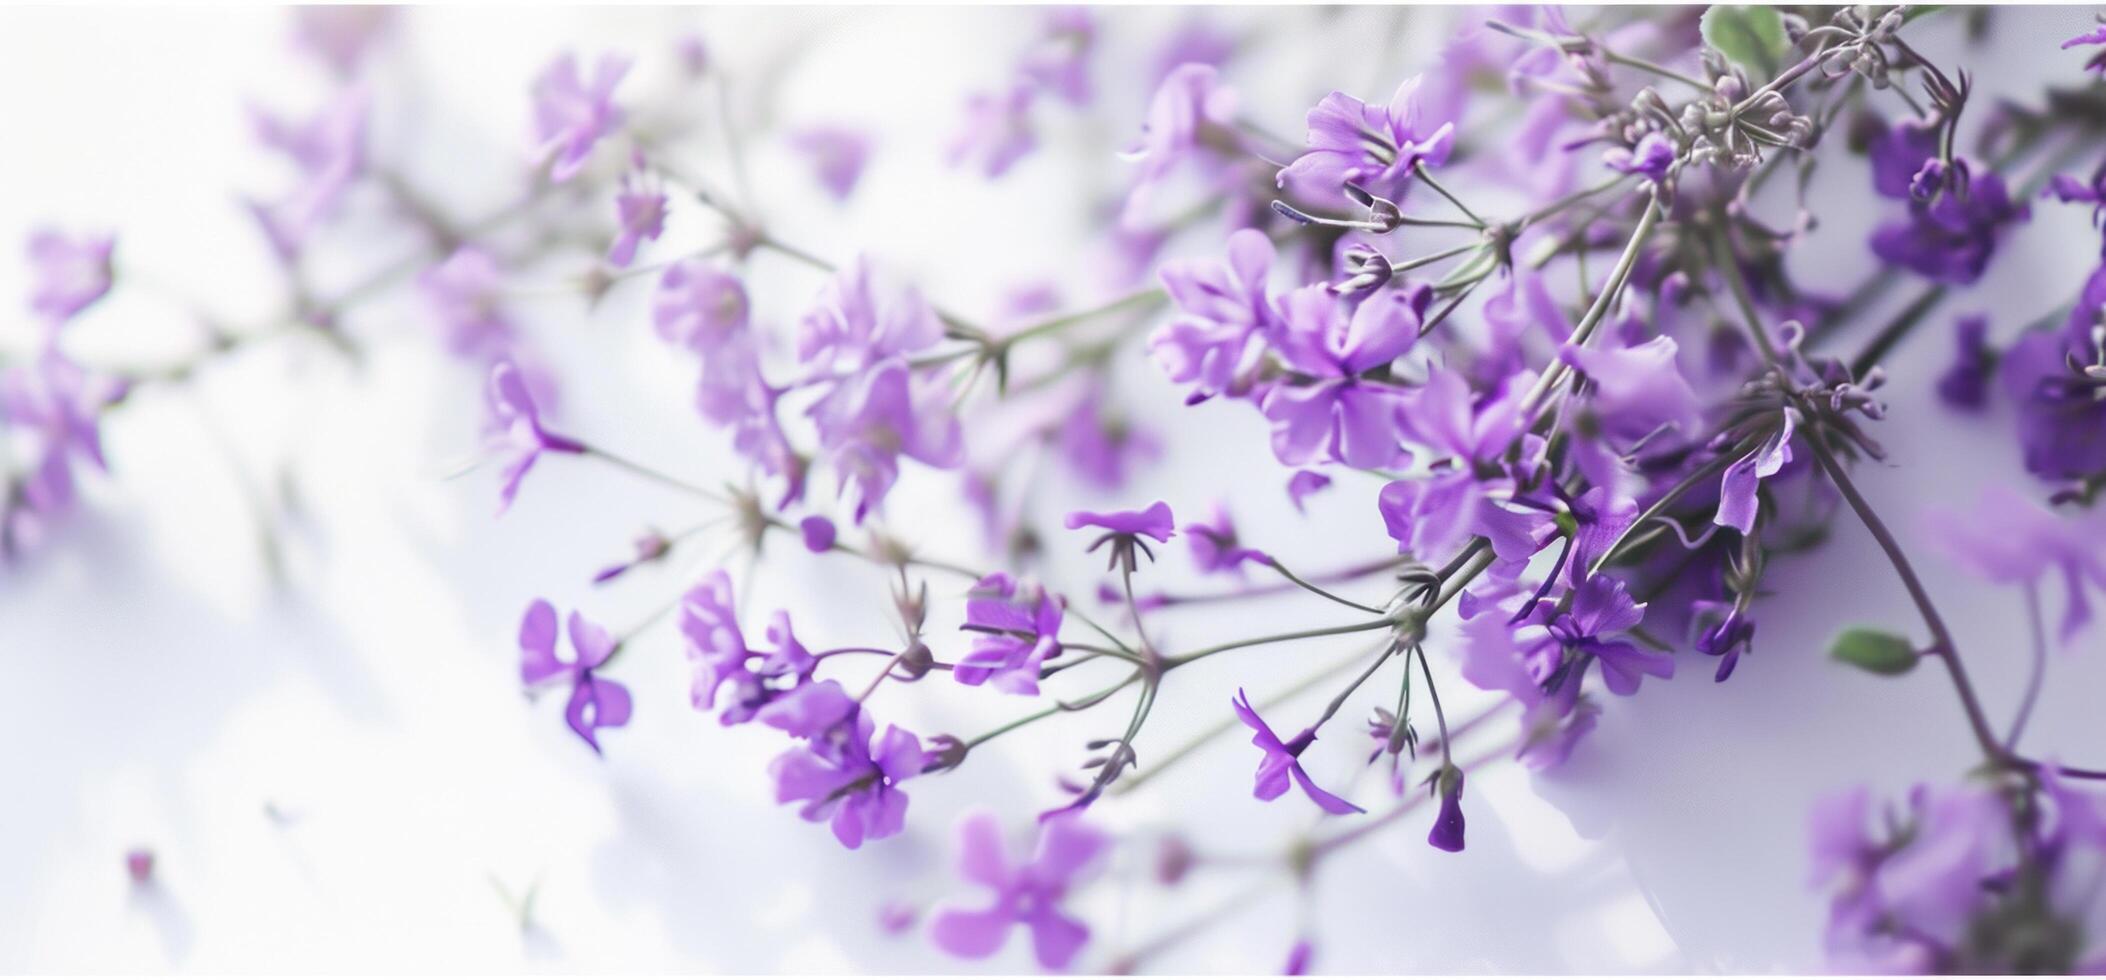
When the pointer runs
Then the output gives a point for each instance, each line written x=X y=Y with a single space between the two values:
x=837 y=155
x=515 y=425
x=2011 y=540
x=996 y=132
x=1215 y=546
x=1027 y=893
x=1059 y=62
x=572 y=114
x=466 y=291
x=639 y=208
x=68 y=273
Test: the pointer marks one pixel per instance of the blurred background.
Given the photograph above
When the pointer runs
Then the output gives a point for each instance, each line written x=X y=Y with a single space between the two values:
x=276 y=647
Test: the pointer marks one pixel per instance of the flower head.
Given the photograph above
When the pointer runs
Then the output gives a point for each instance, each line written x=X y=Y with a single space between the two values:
x=847 y=775
x=1374 y=147
x=1282 y=761
x=997 y=131
x=1221 y=306
x=515 y=425
x=1215 y=546
x=837 y=155
x=1017 y=630
x=595 y=702
x=572 y=114
x=1124 y=529
x=1027 y=893
x=1340 y=416
x=70 y=273
x=759 y=679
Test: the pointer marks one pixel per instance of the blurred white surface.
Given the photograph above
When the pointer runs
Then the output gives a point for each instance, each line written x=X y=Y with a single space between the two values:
x=341 y=774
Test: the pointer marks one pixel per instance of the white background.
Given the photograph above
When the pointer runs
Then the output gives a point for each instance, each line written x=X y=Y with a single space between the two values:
x=334 y=771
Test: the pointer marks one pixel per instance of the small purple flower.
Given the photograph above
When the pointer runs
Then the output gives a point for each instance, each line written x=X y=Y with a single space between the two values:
x=1059 y=62
x=1951 y=238
x=863 y=316
x=1650 y=158
x=1282 y=761
x=1103 y=450
x=329 y=152
x=1027 y=893
x=1018 y=630
x=875 y=416
x=1636 y=391
x=1302 y=484
x=1155 y=522
x=515 y=425
x=1375 y=147
x=2008 y=539
x=70 y=273
x=1341 y=416
x=595 y=702
x=1727 y=633
x=1898 y=155
x=818 y=533
x=341 y=36
x=1737 y=495
x=640 y=210
x=1215 y=547
x=1447 y=832
x=717 y=650
x=699 y=306
x=1221 y=305
x=1189 y=107
x=60 y=406
x=837 y=155
x=571 y=115
x=997 y=131
x=2061 y=418
x=848 y=775
x=466 y=291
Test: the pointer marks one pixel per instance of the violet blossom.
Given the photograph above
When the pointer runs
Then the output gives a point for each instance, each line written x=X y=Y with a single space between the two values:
x=1027 y=893
x=1215 y=546
x=2009 y=539
x=1341 y=416
x=1375 y=147
x=572 y=114
x=595 y=702
x=1221 y=306
x=466 y=293
x=515 y=426
x=997 y=131
x=1282 y=761
x=847 y=775
x=719 y=656
x=69 y=273
x=1017 y=629
x=837 y=154
x=639 y=210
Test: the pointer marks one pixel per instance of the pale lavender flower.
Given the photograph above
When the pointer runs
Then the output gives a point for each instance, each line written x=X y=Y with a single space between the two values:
x=60 y=405
x=515 y=426
x=466 y=291
x=2009 y=539
x=1027 y=893
x=699 y=306
x=863 y=316
x=1215 y=546
x=1190 y=105
x=595 y=702
x=1059 y=62
x=996 y=132
x=759 y=679
x=875 y=416
x=837 y=155
x=1375 y=147
x=1282 y=761
x=1017 y=630
x=1737 y=495
x=1221 y=305
x=639 y=209
x=69 y=273
x=1102 y=449
x=341 y=36
x=572 y=114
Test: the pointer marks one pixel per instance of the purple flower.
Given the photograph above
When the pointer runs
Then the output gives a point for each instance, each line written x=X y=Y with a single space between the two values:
x=1215 y=547
x=1375 y=147
x=837 y=154
x=571 y=115
x=1951 y=238
x=640 y=210
x=1728 y=631
x=1898 y=155
x=329 y=152
x=1282 y=761
x=466 y=291
x=863 y=316
x=1059 y=63
x=70 y=273
x=1636 y=391
x=717 y=650
x=848 y=775
x=1027 y=893
x=1965 y=385
x=1188 y=107
x=1737 y=499
x=2011 y=540
x=1018 y=630
x=1220 y=306
x=1447 y=832
x=1155 y=522
x=1650 y=158
x=1302 y=484
x=515 y=425
x=818 y=533
x=867 y=421
x=1102 y=449
x=1904 y=904
x=1341 y=416
x=997 y=131
x=60 y=406
x=699 y=306
x=595 y=702
x=2061 y=416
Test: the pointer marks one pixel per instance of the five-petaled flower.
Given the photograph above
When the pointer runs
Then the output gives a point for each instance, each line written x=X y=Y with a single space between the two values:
x=1027 y=893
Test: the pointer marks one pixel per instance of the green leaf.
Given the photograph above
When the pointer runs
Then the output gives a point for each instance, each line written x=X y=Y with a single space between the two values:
x=1880 y=653
x=1752 y=37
